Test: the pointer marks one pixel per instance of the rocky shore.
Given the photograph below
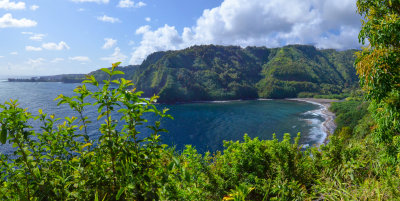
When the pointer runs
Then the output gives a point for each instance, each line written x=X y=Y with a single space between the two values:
x=329 y=125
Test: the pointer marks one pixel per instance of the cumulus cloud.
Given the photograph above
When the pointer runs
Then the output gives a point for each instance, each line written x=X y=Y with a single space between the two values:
x=130 y=4
x=80 y=58
x=31 y=48
x=54 y=46
x=91 y=1
x=117 y=56
x=106 y=18
x=272 y=23
x=109 y=43
x=34 y=7
x=14 y=53
x=8 y=21
x=163 y=38
x=6 y=4
x=148 y=19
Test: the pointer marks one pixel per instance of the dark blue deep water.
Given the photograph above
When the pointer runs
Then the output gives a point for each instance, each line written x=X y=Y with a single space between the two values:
x=203 y=125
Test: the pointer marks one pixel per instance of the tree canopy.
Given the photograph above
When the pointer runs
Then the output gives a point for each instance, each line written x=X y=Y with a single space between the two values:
x=378 y=66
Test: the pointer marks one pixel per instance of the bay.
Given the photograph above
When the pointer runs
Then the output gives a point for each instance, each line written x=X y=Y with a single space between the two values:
x=203 y=125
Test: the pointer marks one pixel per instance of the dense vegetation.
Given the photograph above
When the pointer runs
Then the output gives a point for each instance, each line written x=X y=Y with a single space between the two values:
x=360 y=162
x=210 y=72
x=128 y=72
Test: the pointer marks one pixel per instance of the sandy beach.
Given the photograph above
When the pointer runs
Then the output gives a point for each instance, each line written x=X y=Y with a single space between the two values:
x=329 y=125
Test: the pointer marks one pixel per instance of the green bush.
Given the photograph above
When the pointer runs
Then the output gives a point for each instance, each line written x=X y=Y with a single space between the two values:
x=349 y=113
x=54 y=165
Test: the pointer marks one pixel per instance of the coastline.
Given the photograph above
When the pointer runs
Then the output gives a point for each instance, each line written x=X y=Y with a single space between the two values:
x=328 y=125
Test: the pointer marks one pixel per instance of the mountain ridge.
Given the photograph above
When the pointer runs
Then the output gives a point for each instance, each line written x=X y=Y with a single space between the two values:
x=211 y=72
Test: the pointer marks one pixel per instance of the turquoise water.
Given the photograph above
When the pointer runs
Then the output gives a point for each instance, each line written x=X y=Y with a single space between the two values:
x=203 y=125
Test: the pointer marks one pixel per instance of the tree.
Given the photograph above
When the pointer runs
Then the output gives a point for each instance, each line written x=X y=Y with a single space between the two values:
x=378 y=66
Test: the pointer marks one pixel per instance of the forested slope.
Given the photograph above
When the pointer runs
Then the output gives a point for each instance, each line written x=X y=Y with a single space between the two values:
x=128 y=70
x=212 y=72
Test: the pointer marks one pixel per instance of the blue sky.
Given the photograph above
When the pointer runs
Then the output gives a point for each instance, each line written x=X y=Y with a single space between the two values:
x=46 y=37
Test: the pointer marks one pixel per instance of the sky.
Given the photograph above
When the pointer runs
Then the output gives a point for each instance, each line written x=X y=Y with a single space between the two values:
x=48 y=37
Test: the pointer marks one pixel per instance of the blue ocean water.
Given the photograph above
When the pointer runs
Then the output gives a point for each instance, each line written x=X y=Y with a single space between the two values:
x=204 y=125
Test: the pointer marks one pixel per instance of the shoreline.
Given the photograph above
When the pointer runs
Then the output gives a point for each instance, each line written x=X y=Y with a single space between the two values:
x=328 y=125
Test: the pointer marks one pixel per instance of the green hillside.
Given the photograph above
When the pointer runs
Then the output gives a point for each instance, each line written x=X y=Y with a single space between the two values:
x=212 y=72
x=128 y=70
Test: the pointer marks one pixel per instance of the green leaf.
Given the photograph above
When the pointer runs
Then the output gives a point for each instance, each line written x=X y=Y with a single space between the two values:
x=100 y=116
x=115 y=81
x=3 y=134
x=114 y=65
x=96 y=196
x=85 y=145
x=117 y=72
x=106 y=70
x=120 y=192
x=59 y=96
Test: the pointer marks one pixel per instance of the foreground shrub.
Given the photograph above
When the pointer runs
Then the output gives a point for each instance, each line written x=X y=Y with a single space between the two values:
x=60 y=162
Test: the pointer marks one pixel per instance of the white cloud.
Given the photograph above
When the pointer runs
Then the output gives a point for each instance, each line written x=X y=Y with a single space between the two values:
x=106 y=18
x=1 y=56
x=35 y=62
x=34 y=7
x=130 y=4
x=109 y=43
x=31 y=48
x=54 y=46
x=148 y=19
x=8 y=21
x=272 y=23
x=140 y=4
x=6 y=4
x=344 y=40
x=34 y=36
x=80 y=58
x=91 y=1
x=117 y=56
x=37 y=37
x=56 y=60
x=81 y=10
x=14 y=53
x=125 y=4
x=164 y=38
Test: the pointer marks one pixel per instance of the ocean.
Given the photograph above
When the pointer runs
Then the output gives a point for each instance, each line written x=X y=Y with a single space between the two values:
x=204 y=125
